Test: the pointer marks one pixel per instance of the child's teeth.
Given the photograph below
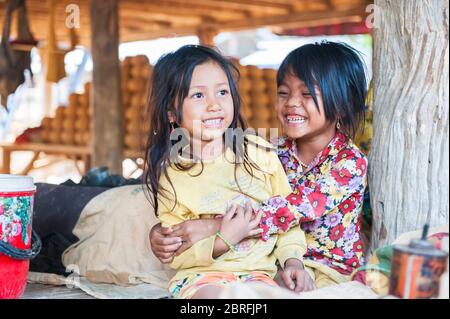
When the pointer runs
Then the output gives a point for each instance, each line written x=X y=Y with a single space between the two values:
x=212 y=121
x=296 y=119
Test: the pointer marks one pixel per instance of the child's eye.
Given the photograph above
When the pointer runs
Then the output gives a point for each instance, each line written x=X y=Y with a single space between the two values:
x=306 y=94
x=197 y=95
x=223 y=92
x=282 y=93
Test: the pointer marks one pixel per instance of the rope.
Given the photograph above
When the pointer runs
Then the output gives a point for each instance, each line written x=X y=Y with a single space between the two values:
x=22 y=254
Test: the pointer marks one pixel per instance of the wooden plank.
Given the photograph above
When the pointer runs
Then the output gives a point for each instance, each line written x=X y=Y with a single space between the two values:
x=39 y=291
x=299 y=19
x=143 y=13
x=57 y=149
x=137 y=23
x=48 y=148
x=67 y=150
x=108 y=117
x=252 y=6
x=189 y=9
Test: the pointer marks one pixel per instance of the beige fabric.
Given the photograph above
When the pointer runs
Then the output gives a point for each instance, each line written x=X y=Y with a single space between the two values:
x=326 y=278
x=324 y=275
x=348 y=290
x=321 y=276
x=114 y=247
x=101 y=291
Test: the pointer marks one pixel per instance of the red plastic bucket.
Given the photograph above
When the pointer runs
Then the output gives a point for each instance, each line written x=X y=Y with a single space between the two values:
x=18 y=244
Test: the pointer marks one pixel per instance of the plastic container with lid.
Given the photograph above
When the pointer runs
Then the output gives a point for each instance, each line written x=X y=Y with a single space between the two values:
x=18 y=244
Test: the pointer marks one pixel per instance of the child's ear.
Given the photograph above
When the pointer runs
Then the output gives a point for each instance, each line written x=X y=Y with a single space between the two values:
x=172 y=117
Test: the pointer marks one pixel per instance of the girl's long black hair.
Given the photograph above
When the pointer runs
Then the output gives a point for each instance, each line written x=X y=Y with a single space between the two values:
x=170 y=82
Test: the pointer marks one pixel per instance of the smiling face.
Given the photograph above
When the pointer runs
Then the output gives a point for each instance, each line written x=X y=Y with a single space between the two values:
x=209 y=103
x=297 y=112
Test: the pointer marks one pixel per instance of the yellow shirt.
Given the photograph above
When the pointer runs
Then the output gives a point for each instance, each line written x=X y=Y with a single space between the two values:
x=209 y=193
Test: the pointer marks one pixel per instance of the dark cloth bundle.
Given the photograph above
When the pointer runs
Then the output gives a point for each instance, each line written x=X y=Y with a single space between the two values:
x=56 y=212
x=57 y=209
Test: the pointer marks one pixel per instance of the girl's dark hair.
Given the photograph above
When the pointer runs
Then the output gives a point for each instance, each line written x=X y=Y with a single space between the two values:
x=339 y=71
x=170 y=82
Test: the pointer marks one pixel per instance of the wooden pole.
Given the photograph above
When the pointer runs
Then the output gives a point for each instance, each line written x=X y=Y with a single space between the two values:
x=107 y=119
x=409 y=158
x=206 y=36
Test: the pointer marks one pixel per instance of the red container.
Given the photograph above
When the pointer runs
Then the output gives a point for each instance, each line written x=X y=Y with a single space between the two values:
x=16 y=249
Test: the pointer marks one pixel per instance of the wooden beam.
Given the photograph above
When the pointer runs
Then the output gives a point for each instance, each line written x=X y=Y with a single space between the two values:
x=291 y=20
x=187 y=8
x=285 y=2
x=141 y=24
x=330 y=4
x=299 y=19
x=138 y=12
x=107 y=120
x=253 y=5
x=47 y=148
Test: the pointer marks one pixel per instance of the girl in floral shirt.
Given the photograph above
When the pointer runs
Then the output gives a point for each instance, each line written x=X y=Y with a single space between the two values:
x=327 y=202
x=320 y=104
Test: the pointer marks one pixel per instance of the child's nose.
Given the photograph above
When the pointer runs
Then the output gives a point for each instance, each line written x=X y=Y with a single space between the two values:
x=213 y=105
x=294 y=101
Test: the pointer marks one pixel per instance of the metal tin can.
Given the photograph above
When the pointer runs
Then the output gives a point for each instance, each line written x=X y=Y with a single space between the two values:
x=416 y=270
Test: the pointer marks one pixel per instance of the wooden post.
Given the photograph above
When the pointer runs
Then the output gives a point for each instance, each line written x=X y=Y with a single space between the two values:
x=6 y=162
x=107 y=120
x=409 y=158
x=206 y=36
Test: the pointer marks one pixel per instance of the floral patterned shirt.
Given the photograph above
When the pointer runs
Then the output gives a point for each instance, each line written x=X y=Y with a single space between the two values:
x=326 y=201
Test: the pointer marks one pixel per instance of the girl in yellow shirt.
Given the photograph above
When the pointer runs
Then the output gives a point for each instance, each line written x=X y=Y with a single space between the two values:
x=198 y=161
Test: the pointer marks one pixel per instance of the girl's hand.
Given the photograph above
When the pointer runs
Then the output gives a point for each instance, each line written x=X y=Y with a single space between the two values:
x=163 y=243
x=192 y=231
x=239 y=223
x=295 y=277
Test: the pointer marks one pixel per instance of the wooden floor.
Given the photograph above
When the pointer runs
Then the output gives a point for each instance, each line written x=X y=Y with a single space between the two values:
x=39 y=291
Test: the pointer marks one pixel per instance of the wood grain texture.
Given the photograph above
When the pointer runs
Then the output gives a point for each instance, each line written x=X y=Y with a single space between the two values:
x=40 y=291
x=409 y=159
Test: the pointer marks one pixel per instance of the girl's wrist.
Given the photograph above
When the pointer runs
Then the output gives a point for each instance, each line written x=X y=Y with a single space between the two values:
x=294 y=262
x=211 y=226
x=224 y=238
x=217 y=224
x=228 y=237
x=220 y=247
